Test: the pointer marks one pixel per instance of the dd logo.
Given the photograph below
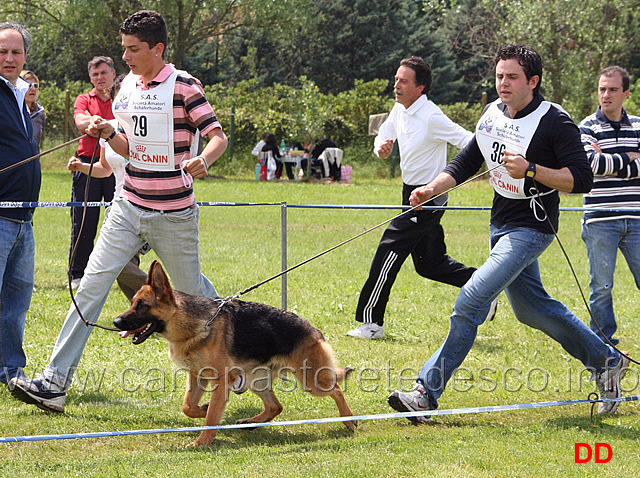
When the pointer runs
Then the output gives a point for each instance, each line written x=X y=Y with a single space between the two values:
x=590 y=453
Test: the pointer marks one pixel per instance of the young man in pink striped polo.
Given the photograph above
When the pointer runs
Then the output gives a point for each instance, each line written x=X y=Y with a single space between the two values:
x=159 y=110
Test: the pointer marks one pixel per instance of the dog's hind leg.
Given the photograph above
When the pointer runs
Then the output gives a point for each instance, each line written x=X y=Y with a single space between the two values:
x=325 y=382
x=343 y=407
x=272 y=407
x=320 y=377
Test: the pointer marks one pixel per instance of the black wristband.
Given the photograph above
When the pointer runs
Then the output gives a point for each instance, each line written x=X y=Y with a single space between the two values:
x=111 y=136
x=531 y=170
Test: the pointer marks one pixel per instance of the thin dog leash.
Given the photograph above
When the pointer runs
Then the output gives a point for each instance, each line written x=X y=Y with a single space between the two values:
x=603 y=336
x=237 y=295
x=255 y=286
x=575 y=276
x=25 y=161
x=72 y=256
x=84 y=211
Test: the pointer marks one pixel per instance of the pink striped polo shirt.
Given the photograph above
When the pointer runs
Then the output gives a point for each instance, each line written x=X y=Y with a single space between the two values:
x=165 y=190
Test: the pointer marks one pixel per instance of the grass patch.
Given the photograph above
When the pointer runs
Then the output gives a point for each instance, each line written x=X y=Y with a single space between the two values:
x=123 y=387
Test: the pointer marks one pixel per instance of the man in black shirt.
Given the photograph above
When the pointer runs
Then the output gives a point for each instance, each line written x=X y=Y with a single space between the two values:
x=538 y=149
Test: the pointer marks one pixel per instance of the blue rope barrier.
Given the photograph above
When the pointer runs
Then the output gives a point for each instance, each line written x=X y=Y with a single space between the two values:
x=17 y=204
x=383 y=416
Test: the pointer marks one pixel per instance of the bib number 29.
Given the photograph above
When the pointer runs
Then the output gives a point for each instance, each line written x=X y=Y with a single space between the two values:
x=139 y=125
x=498 y=151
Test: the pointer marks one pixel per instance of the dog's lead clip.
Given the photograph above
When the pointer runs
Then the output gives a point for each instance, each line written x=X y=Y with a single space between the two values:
x=223 y=302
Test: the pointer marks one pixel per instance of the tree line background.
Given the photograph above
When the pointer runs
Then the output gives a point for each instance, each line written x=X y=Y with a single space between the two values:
x=304 y=68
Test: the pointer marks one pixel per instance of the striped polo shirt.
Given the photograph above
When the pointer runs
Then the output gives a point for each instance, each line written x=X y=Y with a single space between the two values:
x=166 y=190
x=616 y=182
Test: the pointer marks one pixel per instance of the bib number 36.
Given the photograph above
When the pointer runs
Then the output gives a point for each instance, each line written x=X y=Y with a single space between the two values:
x=498 y=151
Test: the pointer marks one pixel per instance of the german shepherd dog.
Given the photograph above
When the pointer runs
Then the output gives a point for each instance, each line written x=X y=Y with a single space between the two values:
x=217 y=345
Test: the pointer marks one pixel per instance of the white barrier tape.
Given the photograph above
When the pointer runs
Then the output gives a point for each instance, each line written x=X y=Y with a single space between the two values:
x=18 y=204
x=384 y=416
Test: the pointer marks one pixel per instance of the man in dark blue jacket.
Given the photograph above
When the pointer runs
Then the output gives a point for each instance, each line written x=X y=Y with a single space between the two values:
x=17 y=246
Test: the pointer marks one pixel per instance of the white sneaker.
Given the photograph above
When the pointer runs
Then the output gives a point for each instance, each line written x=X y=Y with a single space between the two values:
x=492 y=310
x=368 y=331
x=417 y=400
x=608 y=382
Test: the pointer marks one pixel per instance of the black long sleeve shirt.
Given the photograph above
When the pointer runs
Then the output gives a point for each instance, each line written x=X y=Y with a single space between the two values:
x=555 y=144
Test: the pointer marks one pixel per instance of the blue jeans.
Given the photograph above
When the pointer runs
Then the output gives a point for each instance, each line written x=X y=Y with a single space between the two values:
x=603 y=239
x=174 y=238
x=17 y=250
x=512 y=266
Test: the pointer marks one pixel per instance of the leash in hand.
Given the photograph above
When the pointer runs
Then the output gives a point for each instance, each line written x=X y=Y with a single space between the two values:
x=25 y=161
x=72 y=256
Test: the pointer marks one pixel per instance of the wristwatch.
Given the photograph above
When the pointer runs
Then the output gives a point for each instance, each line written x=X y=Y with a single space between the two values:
x=531 y=170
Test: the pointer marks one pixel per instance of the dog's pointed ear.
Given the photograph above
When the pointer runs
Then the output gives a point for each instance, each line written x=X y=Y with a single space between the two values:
x=159 y=282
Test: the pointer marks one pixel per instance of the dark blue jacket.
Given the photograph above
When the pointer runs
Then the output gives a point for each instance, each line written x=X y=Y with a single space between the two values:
x=22 y=183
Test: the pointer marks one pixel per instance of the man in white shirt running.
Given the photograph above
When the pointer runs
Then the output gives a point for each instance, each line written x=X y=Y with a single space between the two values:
x=422 y=131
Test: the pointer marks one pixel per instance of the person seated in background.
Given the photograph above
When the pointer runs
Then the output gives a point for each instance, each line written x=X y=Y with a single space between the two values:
x=321 y=146
x=289 y=166
x=271 y=145
x=257 y=149
x=36 y=111
x=317 y=164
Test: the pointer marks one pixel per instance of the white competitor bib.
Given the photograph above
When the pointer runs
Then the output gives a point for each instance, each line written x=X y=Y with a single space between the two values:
x=495 y=134
x=147 y=118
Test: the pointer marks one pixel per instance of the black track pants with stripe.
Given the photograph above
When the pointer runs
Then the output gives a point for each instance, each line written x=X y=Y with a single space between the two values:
x=420 y=234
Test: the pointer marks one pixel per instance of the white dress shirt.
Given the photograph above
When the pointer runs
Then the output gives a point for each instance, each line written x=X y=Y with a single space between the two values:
x=422 y=132
x=19 y=91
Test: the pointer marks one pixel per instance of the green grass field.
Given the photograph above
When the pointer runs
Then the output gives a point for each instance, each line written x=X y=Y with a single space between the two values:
x=120 y=386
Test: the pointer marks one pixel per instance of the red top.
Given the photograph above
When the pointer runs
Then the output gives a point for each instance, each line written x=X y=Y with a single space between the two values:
x=92 y=104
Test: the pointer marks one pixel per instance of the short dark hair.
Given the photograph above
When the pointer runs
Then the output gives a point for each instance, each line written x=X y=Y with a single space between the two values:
x=617 y=70
x=147 y=26
x=98 y=60
x=423 y=72
x=26 y=36
x=527 y=58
